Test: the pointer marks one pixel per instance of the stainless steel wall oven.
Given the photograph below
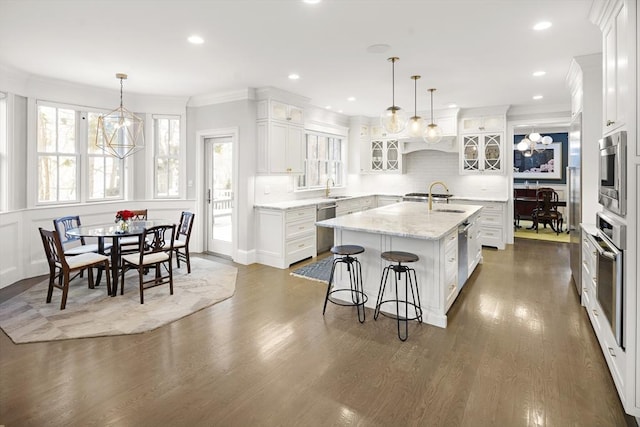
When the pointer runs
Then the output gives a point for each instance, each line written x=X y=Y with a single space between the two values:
x=612 y=190
x=610 y=243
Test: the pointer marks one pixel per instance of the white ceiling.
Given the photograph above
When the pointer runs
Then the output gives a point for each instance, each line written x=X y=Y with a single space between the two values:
x=475 y=52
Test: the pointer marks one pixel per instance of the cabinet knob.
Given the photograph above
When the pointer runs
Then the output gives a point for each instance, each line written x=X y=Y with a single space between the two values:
x=595 y=313
x=288 y=118
x=612 y=352
x=288 y=169
x=610 y=122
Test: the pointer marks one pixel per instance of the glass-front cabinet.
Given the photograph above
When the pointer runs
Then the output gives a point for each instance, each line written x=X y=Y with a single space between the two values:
x=482 y=153
x=385 y=155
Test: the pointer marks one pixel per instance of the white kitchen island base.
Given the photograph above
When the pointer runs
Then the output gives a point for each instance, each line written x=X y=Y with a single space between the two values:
x=437 y=284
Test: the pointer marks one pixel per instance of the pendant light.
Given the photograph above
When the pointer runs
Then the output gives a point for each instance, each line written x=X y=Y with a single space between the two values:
x=432 y=133
x=120 y=133
x=393 y=119
x=415 y=123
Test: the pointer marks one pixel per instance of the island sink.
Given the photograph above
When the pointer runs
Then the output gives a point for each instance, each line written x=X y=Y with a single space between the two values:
x=449 y=210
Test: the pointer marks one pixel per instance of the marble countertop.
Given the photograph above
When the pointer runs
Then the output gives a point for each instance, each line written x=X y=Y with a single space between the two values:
x=406 y=219
x=300 y=203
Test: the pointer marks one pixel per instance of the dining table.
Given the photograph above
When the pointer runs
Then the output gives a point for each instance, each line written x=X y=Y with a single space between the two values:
x=113 y=231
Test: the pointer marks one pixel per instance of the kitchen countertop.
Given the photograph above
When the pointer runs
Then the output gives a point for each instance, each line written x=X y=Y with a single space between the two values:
x=406 y=219
x=299 y=203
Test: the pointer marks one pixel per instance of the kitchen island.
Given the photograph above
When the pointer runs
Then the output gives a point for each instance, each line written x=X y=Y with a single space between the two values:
x=445 y=261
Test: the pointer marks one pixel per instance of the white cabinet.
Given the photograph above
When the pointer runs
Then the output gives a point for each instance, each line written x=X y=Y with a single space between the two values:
x=388 y=200
x=280 y=138
x=381 y=156
x=358 y=204
x=474 y=245
x=615 y=68
x=285 y=236
x=482 y=153
x=491 y=222
x=494 y=123
x=449 y=266
x=588 y=273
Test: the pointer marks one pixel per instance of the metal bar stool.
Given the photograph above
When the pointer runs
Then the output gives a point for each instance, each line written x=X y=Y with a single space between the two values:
x=354 y=268
x=409 y=283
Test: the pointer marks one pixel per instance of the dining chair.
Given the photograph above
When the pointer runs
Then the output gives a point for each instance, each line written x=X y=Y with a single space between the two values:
x=153 y=254
x=181 y=241
x=130 y=244
x=61 y=266
x=546 y=211
x=74 y=245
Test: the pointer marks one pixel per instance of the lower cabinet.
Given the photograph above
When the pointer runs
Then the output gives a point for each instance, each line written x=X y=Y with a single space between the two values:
x=388 y=200
x=449 y=265
x=356 y=204
x=474 y=246
x=285 y=236
x=491 y=223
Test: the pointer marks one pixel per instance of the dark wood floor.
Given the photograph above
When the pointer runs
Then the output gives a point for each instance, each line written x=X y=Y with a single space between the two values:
x=519 y=351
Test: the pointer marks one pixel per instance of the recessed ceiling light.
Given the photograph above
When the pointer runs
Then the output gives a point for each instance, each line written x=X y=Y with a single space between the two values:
x=195 y=39
x=339 y=111
x=293 y=76
x=351 y=98
x=328 y=107
x=378 y=48
x=539 y=73
x=452 y=105
x=542 y=25
x=311 y=1
x=536 y=97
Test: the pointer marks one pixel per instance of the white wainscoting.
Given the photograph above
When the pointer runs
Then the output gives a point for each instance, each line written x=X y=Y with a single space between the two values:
x=21 y=251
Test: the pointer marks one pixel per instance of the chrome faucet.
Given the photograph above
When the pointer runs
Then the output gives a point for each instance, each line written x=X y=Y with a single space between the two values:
x=327 y=191
x=431 y=187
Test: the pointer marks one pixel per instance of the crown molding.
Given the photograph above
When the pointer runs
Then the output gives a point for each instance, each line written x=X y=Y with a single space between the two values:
x=221 y=98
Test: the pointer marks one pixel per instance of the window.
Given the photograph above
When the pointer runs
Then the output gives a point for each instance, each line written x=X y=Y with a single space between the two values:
x=57 y=152
x=323 y=161
x=166 y=137
x=105 y=177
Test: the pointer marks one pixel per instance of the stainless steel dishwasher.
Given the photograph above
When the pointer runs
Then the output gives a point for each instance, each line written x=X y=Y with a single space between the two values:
x=324 y=235
x=463 y=256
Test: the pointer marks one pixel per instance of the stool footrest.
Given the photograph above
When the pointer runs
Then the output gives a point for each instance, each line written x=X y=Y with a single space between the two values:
x=417 y=309
x=362 y=297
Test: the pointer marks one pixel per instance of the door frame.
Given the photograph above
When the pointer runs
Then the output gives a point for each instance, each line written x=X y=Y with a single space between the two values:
x=201 y=200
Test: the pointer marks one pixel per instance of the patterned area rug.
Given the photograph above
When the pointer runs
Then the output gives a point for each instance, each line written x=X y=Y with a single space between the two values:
x=318 y=271
x=543 y=233
x=91 y=313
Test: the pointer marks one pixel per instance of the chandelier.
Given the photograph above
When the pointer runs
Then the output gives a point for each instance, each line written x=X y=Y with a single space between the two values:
x=529 y=144
x=120 y=133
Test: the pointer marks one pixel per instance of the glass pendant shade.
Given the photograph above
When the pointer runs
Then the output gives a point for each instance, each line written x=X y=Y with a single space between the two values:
x=534 y=136
x=527 y=154
x=393 y=119
x=120 y=133
x=432 y=133
x=546 y=140
x=415 y=126
x=523 y=145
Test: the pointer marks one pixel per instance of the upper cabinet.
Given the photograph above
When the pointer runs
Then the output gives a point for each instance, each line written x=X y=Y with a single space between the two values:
x=380 y=152
x=615 y=68
x=493 y=123
x=280 y=137
x=482 y=143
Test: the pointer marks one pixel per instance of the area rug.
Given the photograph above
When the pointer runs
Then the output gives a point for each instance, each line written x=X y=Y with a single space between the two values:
x=318 y=271
x=543 y=233
x=91 y=313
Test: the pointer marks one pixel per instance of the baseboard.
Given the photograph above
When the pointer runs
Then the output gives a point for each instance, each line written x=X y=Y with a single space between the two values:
x=245 y=257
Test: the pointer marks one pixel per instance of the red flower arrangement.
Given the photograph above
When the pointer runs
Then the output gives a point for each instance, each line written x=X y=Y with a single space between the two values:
x=124 y=215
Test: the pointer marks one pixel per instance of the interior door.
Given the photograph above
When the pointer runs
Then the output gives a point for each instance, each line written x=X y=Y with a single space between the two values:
x=220 y=196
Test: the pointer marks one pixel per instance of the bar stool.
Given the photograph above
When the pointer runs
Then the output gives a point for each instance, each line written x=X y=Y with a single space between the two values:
x=409 y=283
x=354 y=268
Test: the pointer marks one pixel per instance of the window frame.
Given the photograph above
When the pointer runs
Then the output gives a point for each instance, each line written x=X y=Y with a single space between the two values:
x=179 y=158
x=328 y=163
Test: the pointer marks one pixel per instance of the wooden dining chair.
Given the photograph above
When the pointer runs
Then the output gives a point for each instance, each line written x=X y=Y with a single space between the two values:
x=74 y=245
x=181 y=241
x=153 y=241
x=61 y=266
x=546 y=211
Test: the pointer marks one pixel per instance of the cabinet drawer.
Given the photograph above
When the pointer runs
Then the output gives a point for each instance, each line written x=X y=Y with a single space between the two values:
x=451 y=265
x=452 y=292
x=299 y=214
x=490 y=236
x=488 y=218
x=492 y=207
x=299 y=249
x=299 y=229
x=451 y=241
